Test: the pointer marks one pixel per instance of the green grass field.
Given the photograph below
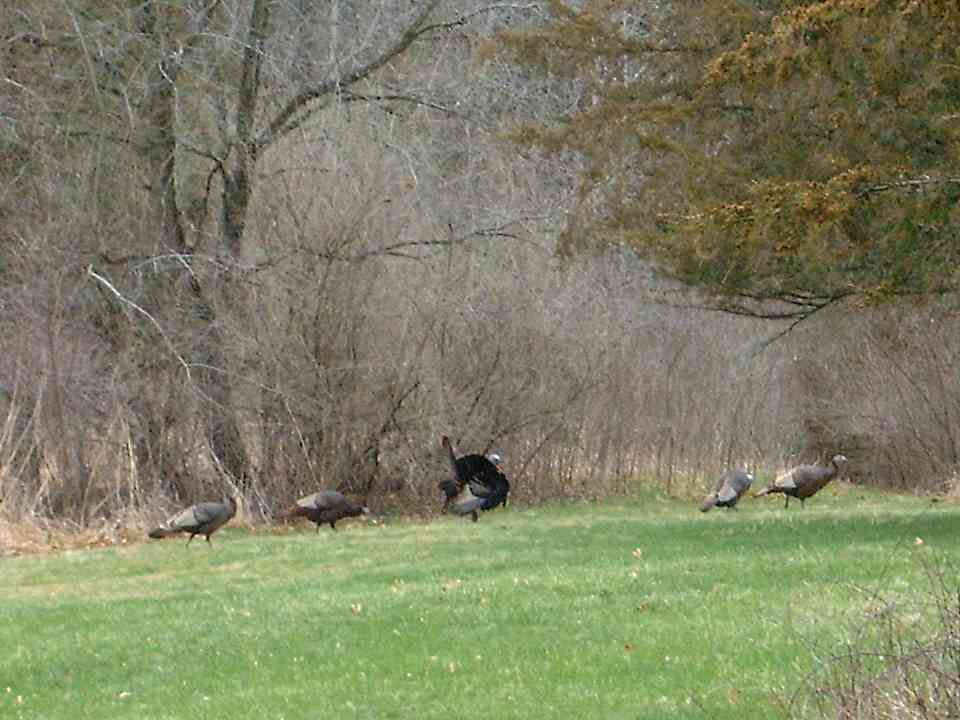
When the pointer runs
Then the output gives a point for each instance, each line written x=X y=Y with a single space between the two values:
x=618 y=610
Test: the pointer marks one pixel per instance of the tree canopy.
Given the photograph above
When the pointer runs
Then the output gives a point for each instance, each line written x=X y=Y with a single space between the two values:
x=782 y=156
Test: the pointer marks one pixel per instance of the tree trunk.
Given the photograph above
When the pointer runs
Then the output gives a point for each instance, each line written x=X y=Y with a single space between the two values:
x=159 y=123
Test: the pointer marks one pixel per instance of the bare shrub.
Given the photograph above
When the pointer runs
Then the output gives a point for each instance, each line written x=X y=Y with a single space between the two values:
x=902 y=661
x=883 y=391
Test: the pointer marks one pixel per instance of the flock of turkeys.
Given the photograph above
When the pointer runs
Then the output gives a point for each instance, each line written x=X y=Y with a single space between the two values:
x=477 y=483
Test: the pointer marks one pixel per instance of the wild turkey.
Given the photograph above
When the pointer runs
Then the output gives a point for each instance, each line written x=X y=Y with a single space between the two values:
x=805 y=480
x=729 y=489
x=326 y=506
x=201 y=519
x=477 y=483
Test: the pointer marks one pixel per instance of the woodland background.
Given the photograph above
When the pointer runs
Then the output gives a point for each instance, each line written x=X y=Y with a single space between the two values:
x=279 y=245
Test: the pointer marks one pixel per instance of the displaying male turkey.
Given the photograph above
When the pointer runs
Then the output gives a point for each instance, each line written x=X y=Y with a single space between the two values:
x=729 y=489
x=201 y=519
x=806 y=480
x=477 y=483
x=325 y=507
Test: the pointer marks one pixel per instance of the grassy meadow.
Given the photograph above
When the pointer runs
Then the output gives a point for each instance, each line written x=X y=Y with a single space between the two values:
x=624 y=609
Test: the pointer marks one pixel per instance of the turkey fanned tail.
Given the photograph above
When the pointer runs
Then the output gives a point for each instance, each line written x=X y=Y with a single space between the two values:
x=476 y=483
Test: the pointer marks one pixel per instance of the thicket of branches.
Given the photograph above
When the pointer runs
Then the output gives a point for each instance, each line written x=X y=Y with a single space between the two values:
x=287 y=245
x=900 y=659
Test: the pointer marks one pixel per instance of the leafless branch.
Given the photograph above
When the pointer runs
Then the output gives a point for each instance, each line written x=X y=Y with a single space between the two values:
x=153 y=321
x=912 y=183
x=279 y=126
x=396 y=97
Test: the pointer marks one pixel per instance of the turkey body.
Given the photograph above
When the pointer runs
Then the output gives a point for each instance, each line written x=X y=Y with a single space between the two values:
x=325 y=508
x=731 y=486
x=201 y=519
x=476 y=483
x=805 y=480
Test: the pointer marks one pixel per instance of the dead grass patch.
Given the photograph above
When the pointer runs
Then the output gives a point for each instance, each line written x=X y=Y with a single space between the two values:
x=32 y=535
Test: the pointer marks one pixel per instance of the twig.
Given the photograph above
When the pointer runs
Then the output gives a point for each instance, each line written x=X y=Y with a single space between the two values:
x=915 y=183
x=129 y=303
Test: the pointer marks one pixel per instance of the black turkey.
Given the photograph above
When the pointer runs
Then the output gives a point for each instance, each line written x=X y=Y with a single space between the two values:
x=805 y=480
x=477 y=483
x=729 y=489
x=201 y=519
x=325 y=507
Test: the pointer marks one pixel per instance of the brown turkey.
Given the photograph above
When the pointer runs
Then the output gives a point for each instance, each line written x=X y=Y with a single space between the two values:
x=325 y=507
x=729 y=489
x=806 y=480
x=201 y=519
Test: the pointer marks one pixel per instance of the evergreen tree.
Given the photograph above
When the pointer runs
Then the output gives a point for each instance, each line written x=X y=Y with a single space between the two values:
x=783 y=156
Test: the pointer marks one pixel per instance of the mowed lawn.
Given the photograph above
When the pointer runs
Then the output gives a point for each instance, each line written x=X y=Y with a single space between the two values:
x=624 y=609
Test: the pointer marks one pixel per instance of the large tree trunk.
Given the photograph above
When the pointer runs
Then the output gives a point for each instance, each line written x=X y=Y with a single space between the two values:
x=159 y=133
